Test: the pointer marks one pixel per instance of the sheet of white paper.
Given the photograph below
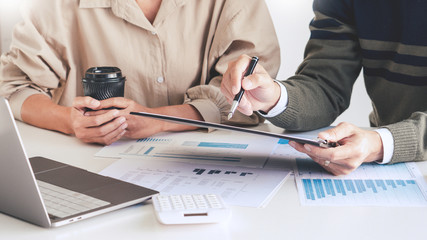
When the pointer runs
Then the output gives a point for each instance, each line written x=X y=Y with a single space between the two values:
x=239 y=186
x=218 y=147
x=370 y=185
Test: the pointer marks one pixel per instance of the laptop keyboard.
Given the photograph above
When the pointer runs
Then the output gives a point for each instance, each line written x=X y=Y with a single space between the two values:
x=61 y=202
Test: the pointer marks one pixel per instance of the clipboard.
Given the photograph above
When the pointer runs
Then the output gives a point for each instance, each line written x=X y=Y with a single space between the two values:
x=203 y=124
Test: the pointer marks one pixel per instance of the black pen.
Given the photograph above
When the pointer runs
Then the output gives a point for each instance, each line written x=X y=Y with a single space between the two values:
x=239 y=95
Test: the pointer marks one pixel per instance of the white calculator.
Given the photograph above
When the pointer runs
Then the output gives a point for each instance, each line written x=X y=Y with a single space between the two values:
x=190 y=209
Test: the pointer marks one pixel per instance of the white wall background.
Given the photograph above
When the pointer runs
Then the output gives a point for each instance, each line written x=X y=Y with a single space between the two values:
x=9 y=16
x=291 y=19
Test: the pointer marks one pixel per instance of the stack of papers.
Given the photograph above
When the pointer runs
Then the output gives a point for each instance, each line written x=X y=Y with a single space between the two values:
x=247 y=170
x=230 y=165
x=251 y=187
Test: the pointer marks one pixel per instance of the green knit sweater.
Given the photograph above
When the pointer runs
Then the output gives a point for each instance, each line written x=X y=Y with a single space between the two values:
x=385 y=38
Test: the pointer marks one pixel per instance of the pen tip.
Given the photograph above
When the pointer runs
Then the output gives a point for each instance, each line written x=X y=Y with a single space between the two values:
x=230 y=115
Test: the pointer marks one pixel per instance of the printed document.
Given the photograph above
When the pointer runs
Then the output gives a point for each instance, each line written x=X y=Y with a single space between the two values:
x=251 y=187
x=371 y=184
x=218 y=147
x=234 y=166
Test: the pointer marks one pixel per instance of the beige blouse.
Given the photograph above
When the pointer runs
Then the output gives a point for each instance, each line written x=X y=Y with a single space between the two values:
x=178 y=59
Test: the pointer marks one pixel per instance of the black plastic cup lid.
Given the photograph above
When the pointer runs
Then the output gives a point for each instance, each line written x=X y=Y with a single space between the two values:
x=103 y=74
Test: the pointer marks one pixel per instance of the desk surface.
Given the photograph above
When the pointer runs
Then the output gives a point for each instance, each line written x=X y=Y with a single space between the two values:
x=283 y=218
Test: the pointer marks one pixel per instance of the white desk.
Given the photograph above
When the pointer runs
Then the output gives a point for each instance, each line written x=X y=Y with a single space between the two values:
x=283 y=218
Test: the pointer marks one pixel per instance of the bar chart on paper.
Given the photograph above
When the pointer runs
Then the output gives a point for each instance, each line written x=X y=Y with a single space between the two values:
x=370 y=185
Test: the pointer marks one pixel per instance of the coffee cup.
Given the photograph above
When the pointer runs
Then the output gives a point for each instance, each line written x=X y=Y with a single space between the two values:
x=104 y=82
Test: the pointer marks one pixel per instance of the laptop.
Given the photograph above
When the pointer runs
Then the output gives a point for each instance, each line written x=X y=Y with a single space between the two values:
x=50 y=193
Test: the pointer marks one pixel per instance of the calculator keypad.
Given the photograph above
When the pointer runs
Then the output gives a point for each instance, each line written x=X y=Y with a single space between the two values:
x=195 y=208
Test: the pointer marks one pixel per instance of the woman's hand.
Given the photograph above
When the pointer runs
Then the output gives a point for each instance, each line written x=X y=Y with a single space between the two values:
x=92 y=124
x=142 y=127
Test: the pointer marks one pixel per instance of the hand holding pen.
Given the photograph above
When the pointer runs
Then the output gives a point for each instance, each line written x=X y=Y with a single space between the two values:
x=239 y=95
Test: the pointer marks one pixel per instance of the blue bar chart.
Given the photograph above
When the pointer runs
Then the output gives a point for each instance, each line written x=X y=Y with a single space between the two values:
x=371 y=185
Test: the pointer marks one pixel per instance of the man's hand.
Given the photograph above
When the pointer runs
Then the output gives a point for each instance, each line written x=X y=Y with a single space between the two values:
x=261 y=92
x=356 y=146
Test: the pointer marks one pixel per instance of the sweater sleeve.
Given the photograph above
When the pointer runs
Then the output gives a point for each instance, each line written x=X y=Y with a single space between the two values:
x=321 y=88
x=410 y=138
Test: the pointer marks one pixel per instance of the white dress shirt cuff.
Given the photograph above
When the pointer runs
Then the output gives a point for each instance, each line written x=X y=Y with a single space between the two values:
x=281 y=104
x=388 y=145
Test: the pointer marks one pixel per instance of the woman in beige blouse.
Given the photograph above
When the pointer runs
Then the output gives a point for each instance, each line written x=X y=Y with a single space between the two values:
x=173 y=54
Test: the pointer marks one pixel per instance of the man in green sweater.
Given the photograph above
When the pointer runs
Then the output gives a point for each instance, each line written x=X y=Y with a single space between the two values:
x=386 y=38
